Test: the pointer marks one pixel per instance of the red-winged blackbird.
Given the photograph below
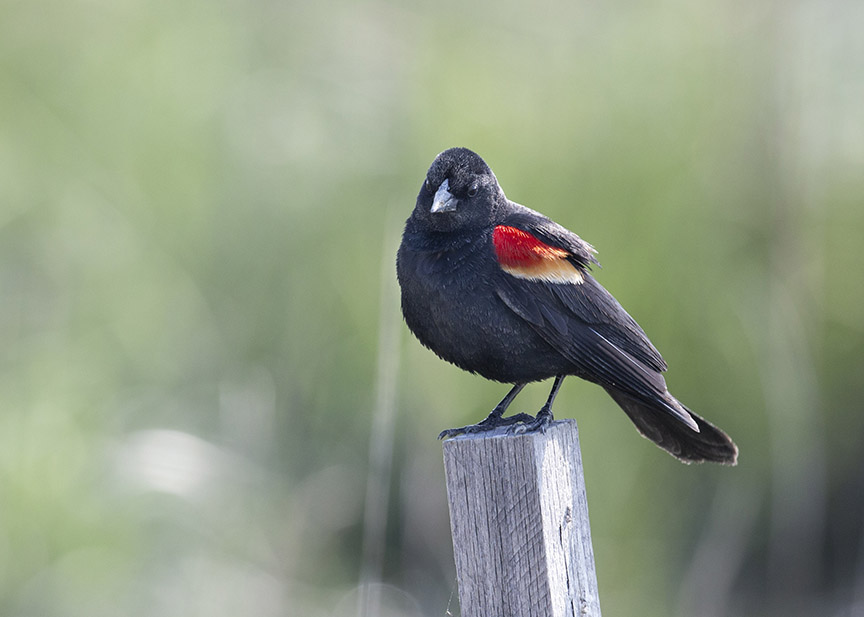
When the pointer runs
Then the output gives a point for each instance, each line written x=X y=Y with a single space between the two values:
x=500 y=290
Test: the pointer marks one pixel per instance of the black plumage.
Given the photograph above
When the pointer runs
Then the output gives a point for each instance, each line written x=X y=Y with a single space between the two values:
x=501 y=290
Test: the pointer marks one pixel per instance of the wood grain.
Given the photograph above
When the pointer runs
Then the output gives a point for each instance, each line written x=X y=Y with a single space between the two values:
x=519 y=518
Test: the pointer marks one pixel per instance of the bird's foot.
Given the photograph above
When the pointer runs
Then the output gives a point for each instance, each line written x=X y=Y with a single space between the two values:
x=544 y=418
x=491 y=422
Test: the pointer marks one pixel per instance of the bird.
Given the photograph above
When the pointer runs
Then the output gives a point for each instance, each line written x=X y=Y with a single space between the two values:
x=502 y=291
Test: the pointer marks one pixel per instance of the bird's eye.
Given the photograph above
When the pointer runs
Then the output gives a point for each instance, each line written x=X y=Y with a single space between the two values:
x=472 y=190
x=429 y=186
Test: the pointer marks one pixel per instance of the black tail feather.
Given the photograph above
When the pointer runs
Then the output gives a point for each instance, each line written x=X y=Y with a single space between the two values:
x=671 y=434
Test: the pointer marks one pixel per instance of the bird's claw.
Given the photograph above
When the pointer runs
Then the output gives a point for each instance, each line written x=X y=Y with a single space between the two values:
x=490 y=423
x=544 y=419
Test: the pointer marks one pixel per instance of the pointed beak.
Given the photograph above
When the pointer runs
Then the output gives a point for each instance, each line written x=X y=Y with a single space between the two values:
x=444 y=200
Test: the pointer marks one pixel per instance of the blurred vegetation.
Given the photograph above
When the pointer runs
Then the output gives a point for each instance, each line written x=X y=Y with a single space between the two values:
x=197 y=200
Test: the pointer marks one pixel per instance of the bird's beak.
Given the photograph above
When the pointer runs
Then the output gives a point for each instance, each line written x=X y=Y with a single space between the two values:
x=444 y=200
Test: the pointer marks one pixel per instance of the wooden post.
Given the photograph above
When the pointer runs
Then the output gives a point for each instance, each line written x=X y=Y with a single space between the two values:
x=519 y=519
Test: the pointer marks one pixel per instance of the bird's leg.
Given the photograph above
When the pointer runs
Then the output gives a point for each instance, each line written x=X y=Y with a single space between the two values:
x=495 y=417
x=544 y=416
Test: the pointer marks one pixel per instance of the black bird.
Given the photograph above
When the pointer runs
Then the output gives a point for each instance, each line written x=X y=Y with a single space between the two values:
x=501 y=290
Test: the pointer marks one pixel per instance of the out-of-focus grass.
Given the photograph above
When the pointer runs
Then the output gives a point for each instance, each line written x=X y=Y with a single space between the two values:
x=194 y=205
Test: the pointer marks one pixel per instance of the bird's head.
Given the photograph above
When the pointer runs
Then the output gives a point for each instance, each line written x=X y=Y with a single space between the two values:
x=459 y=192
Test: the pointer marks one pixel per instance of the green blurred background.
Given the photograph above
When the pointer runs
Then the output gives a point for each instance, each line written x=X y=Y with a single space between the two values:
x=203 y=371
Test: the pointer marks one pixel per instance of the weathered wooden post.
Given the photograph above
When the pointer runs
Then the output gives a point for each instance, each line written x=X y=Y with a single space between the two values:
x=519 y=519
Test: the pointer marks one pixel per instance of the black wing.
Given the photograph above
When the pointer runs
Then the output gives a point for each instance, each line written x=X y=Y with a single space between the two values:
x=584 y=323
x=588 y=302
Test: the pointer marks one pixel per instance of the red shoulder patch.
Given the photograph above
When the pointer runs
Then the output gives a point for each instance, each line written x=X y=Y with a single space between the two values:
x=524 y=256
x=515 y=247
